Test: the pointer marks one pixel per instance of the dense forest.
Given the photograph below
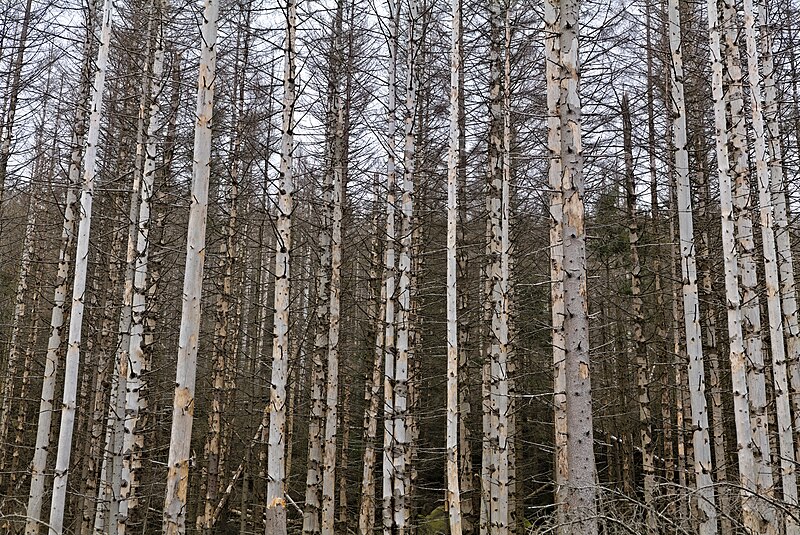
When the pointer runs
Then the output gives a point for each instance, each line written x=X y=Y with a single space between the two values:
x=477 y=267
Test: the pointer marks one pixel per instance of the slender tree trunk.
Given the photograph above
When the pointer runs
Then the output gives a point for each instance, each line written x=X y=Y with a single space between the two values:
x=276 y=501
x=401 y=505
x=467 y=484
x=553 y=75
x=366 y=520
x=12 y=373
x=224 y=344
x=313 y=505
x=15 y=87
x=642 y=367
x=135 y=401
x=388 y=468
x=781 y=224
x=705 y=502
x=42 y=446
x=56 y=521
x=580 y=492
x=772 y=279
x=174 y=516
x=711 y=347
x=338 y=164
x=452 y=493
x=316 y=423
x=680 y=363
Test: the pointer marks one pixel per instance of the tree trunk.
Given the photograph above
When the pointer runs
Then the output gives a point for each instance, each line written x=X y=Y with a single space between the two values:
x=452 y=493
x=12 y=373
x=772 y=279
x=135 y=400
x=338 y=165
x=705 y=503
x=580 y=492
x=642 y=367
x=366 y=517
x=781 y=225
x=553 y=75
x=79 y=283
x=276 y=501
x=42 y=446
x=711 y=347
x=388 y=468
x=174 y=516
x=15 y=88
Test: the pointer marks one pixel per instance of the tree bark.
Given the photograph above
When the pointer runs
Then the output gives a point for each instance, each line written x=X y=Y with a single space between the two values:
x=366 y=517
x=135 y=399
x=781 y=224
x=580 y=492
x=772 y=279
x=705 y=502
x=79 y=283
x=452 y=493
x=42 y=445
x=174 y=516
x=15 y=88
x=390 y=267
x=276 y=501
x=642 y=367
x=553 y=76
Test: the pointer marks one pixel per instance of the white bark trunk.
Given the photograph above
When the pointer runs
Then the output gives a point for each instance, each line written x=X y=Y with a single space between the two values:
x=691 y=305
x=366 y=520
x=553 y=75
x=778 y=353
x=389 y=446
x=174 y=522
x=453 y=495
x=404 y=289
x=332 y=387
x=735 y=334
x=56 y=525
x=135 y=402
x=276 y=476
x=782 y=235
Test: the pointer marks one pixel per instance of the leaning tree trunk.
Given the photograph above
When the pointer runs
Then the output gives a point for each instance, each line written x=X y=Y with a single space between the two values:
x=79 y=283
x=705 y=501
x=276 y=501
x=42 y=446
x=580 y=492
x=452 y=494
x=174 y=516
